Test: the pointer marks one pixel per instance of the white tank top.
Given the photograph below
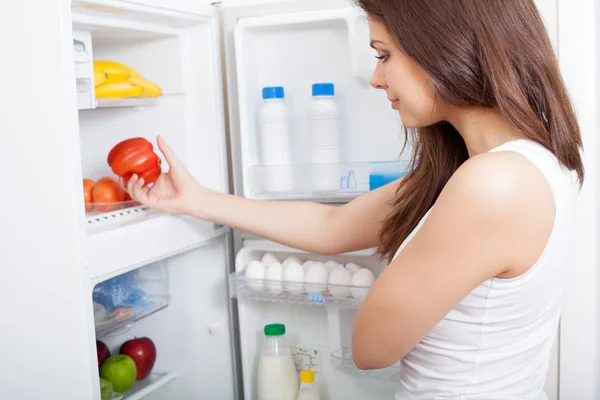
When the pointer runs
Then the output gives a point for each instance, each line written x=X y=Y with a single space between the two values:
x=496 y=343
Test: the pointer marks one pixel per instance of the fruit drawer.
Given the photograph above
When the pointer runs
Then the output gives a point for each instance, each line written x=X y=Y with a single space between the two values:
x=124 y=299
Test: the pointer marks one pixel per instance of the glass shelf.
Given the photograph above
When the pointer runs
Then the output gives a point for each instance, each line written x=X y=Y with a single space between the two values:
x=120 y=318
x=142 y=388
x=342 y=361
x=127 y=102
x=93 y=210
x=323 y=180
x=350 y=297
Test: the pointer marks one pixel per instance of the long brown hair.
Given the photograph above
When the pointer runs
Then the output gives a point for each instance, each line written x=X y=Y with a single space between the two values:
x=493 y=54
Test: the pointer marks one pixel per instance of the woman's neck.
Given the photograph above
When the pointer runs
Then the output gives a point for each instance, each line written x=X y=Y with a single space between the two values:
x=482 y=129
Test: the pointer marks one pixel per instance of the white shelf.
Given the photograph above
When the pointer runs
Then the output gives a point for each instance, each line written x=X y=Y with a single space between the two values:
x=143 y=388
x=342 y=361
x=125 y=242
x=127 y=102
x=322 y=181
x=294 y=293
x=103 y=212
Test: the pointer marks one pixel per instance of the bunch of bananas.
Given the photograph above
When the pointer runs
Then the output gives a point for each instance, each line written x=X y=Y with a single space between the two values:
x=116 y=80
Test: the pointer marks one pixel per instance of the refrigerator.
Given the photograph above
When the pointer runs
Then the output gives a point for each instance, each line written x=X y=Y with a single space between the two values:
x=204 y=315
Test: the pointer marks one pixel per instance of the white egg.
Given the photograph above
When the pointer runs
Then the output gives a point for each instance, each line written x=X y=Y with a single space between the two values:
x=330 y=265
x=293 y=277
x=269 y=259
x=339 y=280
x=316 y=274
x=365 y=278
x=307 y=264
x=273 y=276
x=353 y=268
x=255 y=273
x=292 y=259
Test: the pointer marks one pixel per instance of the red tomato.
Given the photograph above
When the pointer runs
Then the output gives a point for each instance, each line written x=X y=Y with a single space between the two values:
x=88 y=185
x=108 y=191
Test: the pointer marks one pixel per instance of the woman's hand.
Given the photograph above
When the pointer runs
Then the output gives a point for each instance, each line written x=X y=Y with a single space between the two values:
x=175 y=192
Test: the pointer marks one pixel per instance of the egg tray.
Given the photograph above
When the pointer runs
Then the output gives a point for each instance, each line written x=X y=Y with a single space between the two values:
x=295 y=292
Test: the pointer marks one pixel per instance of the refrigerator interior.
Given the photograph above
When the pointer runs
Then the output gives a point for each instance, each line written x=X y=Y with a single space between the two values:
x=184 y=62
x=153 y=274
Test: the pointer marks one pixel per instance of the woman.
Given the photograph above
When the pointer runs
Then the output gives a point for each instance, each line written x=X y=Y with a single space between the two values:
x=477 y=235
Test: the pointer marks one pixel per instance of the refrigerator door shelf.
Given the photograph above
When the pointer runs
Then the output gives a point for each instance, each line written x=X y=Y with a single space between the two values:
x=323 y=181
x=296 y=293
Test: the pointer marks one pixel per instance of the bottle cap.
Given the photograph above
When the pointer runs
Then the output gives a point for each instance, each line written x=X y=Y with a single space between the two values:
x=323 y=89
x=273 y=92
x=275 y=330
x=307 y=376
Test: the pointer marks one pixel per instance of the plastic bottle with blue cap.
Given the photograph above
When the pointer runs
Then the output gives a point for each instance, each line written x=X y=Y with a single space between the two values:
x=275 y=149
x=325 y=134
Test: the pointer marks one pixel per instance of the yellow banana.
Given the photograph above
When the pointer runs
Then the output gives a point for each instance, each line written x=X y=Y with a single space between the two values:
x=115 y=71
x=149 y=89
x=117 y=66
x=117 y=90
x=99 y=77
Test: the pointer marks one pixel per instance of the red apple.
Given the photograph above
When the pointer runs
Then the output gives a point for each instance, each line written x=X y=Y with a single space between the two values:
x=143 y=353
x=102 y=351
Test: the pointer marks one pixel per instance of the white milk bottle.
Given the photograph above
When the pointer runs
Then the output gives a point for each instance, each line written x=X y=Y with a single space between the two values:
x=277 y=376
x=274 y=131
x=325 y=125
x=308 y=390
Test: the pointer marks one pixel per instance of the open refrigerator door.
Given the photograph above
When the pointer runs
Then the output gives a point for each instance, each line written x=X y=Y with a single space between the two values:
x=293 y=46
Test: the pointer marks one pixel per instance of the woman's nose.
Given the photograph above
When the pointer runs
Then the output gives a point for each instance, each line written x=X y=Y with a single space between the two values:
x=378 y=79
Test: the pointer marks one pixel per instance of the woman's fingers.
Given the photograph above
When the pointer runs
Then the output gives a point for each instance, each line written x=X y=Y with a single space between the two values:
x=136 y=189
x=172 y=160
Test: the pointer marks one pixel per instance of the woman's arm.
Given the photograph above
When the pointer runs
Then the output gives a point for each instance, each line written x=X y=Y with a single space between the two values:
x=311 y=227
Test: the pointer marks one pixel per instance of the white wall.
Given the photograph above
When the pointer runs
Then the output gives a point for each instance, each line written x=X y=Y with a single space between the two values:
x=578 y=47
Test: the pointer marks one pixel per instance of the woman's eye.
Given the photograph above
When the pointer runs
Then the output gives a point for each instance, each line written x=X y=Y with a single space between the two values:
x=383 y=57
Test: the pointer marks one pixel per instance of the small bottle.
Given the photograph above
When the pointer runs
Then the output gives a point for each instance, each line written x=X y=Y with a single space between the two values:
x=277 y=376
x=308 y=390
x=325 y=125
x=275 y=149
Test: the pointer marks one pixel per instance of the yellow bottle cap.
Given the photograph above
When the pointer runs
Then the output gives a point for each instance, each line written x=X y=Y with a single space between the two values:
x=307 y=376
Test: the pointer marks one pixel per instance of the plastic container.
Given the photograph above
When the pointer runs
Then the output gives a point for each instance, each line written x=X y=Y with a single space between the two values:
x=277 y=378
x=308 y=390
x=325 y=134
x=275 y=147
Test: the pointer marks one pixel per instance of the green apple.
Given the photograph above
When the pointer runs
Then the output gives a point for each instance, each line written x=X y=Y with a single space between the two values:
x=120 y=370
